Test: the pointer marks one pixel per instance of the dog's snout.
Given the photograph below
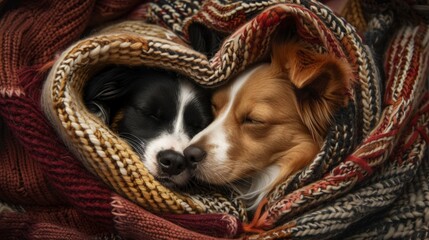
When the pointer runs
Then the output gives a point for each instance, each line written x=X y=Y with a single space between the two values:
x=194 y=154
x=171 y=162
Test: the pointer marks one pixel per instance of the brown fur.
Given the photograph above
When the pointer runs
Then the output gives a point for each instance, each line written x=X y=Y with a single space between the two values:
x=281 y=114
x=116 y=119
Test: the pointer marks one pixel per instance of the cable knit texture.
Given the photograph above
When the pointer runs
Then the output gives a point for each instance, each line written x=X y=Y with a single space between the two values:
x=64 y=174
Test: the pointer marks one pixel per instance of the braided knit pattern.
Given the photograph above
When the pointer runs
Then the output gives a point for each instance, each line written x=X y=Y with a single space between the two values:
x=404 y=180
x=316 y=24
x=168 y=13
x=354 y=15
x=101 y=151
x=111 y=158
x=379 y=192
x=410 y=47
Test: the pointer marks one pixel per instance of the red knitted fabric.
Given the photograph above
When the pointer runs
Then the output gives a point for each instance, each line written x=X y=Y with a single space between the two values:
x=218 y=225
x=31 y=35
x=57 y=198
x=39 y=171
x=21 y=179
x=133 y=222
x=26 y=226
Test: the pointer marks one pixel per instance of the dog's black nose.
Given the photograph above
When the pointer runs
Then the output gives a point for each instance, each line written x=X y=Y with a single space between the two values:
x=194 y=154
x=171 y=162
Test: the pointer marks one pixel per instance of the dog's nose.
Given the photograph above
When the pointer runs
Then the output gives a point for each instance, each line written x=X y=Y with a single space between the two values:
x=194 y=154
x=171 y=162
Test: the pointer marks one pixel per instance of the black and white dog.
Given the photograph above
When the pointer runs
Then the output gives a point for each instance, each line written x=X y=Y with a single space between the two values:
x=156 y=112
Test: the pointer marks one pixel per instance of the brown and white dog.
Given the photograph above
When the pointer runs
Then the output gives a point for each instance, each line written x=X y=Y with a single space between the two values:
x=271 y=120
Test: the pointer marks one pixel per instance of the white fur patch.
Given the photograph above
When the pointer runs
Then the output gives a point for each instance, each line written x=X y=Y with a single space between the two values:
x=186 y=95
x=166 y=141
x=259 y=186
x=176 y=140
x=215 y=133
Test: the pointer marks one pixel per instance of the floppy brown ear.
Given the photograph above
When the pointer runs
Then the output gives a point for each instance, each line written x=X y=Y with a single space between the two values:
x=321 y=82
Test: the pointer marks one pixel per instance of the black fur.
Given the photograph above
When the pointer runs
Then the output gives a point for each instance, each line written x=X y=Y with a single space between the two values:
x=205 y=40
x=143 y=104
x=147 y=98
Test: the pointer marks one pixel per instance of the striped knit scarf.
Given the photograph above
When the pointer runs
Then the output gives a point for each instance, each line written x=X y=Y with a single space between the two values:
x=372 y=167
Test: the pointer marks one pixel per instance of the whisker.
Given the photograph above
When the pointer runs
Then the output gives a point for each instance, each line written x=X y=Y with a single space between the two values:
x=135 y=142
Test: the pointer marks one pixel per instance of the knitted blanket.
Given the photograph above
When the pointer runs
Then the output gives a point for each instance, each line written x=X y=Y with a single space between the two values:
x=66 y=175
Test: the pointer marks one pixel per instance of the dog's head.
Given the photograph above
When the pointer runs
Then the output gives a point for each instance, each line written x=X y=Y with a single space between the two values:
x=155 y=112
x=272 y=118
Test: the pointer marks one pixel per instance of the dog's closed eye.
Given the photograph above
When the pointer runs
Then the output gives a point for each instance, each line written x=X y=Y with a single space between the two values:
x=249 y=119
x=155 y=111
x=271 y=120
x=152 y=113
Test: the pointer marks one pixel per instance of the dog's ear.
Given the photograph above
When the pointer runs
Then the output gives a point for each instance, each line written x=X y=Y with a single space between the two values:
x=320 y=81
x=104 y=88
